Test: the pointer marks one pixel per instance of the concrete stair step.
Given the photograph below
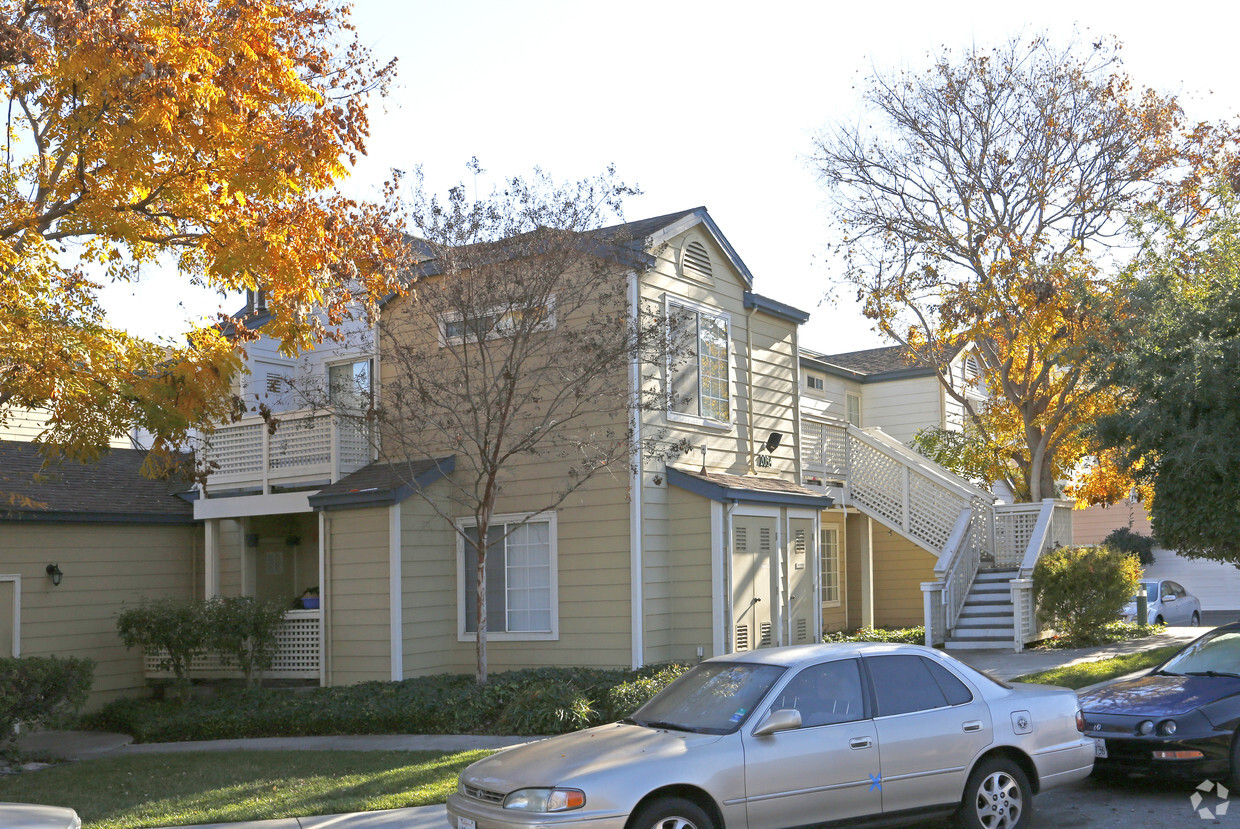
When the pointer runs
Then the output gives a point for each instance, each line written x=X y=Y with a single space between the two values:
x=986 y=619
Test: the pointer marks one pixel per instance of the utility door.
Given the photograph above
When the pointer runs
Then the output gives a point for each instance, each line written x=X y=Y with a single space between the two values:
x=755 y=545
x=802 y=553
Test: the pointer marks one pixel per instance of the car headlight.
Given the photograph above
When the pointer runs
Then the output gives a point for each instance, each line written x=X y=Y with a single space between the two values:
x=1166 y=728
x=545 y=800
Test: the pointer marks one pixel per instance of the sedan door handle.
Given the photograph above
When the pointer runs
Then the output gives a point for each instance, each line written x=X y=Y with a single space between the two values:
x=860 y=742
x=973 y=725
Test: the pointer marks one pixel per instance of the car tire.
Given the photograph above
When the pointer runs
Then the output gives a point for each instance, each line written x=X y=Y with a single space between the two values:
x=671 y=813
x=1158 y=620
x=997 y=796
x=1196 y=620
x=1233 y=777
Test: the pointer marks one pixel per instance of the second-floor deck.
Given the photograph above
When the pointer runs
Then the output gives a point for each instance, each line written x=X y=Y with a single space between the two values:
x=301 y=449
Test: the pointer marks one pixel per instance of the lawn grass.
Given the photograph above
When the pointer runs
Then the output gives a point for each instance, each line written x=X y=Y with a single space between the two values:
x=1100 y=670
x=146 y=790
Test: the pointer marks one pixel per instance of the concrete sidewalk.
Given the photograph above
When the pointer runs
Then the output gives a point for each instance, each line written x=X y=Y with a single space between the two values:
x=86 y=745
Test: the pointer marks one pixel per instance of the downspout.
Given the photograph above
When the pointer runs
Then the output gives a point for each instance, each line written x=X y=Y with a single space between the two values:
x=395 y=590
x=729 y=620
x=637 y=621
x=749 y=384
x=796 y=410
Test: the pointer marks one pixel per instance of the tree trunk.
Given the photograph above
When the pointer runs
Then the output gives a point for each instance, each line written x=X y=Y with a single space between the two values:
x=481 y=640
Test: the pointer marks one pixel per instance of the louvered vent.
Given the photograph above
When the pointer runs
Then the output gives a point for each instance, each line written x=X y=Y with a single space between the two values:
x=798 y=542
x=741 y=537
x=742 y=637
x=695 y=261
x=765 y=642
x=764 y=540
x=802 y=630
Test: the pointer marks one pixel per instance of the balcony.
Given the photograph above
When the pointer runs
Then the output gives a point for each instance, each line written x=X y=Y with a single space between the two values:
x=306 y=448
x=296 y=657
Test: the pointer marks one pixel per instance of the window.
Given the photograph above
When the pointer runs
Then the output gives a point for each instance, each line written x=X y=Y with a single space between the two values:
x=853 y=403
x=348 y=384
x=700 y=379
x=830 y=547
x=521 y=579
x=825 y=694
x=815 y=383
x=459 y=327
x=907 y=683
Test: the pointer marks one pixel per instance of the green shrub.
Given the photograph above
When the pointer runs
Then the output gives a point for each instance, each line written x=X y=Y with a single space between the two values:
x=175 y=629
x=243 y=629
x=1126 y=541
x=1080 y=589
x=522 y=703
x=36 y=689
x=903 y=636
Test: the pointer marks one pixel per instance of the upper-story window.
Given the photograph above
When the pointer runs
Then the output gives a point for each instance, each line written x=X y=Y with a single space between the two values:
x=459 y=327
x=700 y=378
x=852 y=405
x=349 y=384
x=815 y=383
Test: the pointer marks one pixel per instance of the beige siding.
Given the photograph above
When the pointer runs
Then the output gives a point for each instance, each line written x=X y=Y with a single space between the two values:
x=27 y=424
x=107 y=567
x=428 y=576
x=691 y=623
x=854 y=541
x=902 y=407
x=232 y=556
x=900 y=566
x=1090 y=526
x=357 y=608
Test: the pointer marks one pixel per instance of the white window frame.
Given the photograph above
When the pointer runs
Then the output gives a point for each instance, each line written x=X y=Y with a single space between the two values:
x=462 y=581
x=832 y=562
x=700 y=419
x=16 y=581
x=849 y=397
x=815 y=383
x=352 y=361
x=501 y=328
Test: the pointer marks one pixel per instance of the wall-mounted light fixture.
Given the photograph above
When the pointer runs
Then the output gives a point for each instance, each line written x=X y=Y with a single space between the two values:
x=772 y=443
x=53 y=570
x=251 y=539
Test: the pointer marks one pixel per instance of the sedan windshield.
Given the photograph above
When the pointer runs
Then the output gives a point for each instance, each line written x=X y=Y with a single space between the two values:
x=1151 y=591
x=713 y=698
x=1214 y=653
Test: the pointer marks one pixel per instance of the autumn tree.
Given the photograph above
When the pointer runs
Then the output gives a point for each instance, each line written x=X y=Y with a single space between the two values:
x=980 y=208
x=1179 y=364
x=514 y=352
x=201 y=135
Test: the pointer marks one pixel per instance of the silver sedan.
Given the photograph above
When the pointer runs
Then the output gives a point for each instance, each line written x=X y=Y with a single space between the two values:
x=790 y=737
x=1167 y=603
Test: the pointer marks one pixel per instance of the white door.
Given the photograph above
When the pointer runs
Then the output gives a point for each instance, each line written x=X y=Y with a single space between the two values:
x=802 y=552
x=754 y=546
x=8 y=617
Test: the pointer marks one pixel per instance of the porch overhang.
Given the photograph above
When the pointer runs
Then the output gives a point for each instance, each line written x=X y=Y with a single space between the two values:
x=747 y=489
x=382 y=484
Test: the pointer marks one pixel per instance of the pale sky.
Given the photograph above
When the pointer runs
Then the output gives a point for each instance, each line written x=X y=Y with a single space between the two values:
x=710 y=104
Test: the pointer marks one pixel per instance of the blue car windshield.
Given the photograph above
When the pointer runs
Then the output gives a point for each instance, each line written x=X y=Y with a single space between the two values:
x=1217 y=652
x=1151 y=591
x=713 y=698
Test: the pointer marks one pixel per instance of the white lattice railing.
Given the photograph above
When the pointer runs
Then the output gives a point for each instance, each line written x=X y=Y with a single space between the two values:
x=303 y=447
x=296 y=657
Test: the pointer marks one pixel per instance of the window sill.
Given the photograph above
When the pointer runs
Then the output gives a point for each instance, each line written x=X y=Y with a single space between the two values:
x=511 y=636
x=704 y=422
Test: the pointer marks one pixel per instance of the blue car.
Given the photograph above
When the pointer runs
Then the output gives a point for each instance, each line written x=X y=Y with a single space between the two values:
x=1180 y=719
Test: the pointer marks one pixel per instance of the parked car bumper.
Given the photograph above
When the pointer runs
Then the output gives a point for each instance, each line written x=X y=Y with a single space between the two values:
x=1136 y=754
x=1065 y=765
x=462 y=810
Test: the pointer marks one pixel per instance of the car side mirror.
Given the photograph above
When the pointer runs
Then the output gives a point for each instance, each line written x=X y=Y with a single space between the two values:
x=1170 y=598
x=780 y=719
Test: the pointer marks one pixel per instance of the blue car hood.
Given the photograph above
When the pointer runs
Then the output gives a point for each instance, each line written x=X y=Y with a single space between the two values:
x=1155 y=695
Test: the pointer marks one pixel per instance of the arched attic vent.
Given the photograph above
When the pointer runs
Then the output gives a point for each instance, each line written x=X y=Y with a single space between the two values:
x=695 y=261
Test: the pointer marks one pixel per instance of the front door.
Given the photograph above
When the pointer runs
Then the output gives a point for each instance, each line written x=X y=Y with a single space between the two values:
x=754 y=546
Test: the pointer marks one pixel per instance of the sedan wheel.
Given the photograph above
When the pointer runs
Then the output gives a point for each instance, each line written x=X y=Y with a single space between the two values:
x=671 y=813
x=1196 y=620
x=997 y=796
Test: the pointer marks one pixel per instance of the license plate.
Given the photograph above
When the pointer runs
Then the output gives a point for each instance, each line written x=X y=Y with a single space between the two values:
x=1100 y=750
x=466 y=823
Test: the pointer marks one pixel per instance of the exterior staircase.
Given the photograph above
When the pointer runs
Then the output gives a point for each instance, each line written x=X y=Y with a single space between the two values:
x=987 y=619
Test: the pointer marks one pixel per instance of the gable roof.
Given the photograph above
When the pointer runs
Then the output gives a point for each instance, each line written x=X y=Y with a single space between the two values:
x=382 y=484
x=871 y=365
x=111 y=490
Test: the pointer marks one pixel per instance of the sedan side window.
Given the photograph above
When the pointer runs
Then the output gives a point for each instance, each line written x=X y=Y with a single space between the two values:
x=904 y=683
x=825 y=694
